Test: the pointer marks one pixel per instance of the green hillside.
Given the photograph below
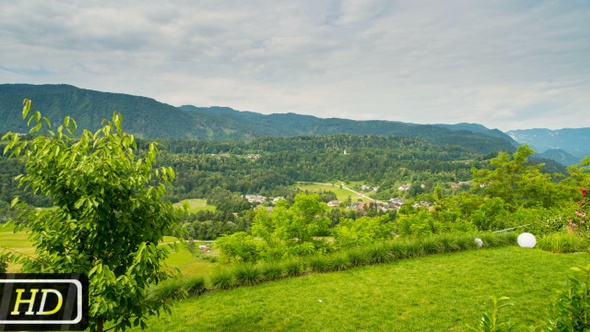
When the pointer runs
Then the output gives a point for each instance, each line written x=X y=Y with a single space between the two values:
x=434 y=293
x=149 y=118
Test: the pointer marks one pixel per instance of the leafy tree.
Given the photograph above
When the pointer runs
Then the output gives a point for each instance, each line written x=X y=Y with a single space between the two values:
x=109 y=214
x=518 y=182
x=290 y=229
x=362 y=231
x=240 y=247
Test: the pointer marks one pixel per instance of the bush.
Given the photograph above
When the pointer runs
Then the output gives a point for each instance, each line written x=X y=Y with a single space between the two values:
x=246 y=274
x=432 y=245
x=378 y=253
x=339 y=262
x=449 y=242
x=319 y=264
x=466 y=242
x=358 y=256
x=397 y=249
x=271 y=270
x=221 y=278
x=562 y=242
x=571 y=311
x=194 y=285
x=168 y=290
x=412 y=249
x=293 y=267
x=498 y=240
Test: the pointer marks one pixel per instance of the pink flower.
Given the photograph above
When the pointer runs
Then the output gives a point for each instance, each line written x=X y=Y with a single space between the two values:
x=580 y=214
x=583 y=191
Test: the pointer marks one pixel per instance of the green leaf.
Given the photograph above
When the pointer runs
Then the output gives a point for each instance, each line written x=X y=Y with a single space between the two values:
x=14 y=201
x=26 y=107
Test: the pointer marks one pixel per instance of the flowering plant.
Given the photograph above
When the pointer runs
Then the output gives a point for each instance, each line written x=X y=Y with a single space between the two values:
x=580 y=223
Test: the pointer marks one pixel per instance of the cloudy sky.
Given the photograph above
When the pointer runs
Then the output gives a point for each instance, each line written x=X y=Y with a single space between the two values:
x=504 y=64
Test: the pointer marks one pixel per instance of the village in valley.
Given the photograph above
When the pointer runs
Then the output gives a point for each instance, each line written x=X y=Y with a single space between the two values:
x=363 y=202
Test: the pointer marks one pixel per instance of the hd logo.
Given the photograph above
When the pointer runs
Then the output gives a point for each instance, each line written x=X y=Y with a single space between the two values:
x=43 y=302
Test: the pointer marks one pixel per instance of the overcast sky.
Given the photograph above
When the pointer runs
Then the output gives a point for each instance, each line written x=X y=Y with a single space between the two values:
x=504 y=64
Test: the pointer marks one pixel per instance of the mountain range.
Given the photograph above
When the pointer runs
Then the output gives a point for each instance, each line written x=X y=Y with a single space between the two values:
x=149 y=118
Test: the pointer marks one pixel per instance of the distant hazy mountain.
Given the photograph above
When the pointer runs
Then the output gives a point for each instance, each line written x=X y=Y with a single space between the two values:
x=561 y=156
x=477 y=128
x=575 y=142
x=146 y=117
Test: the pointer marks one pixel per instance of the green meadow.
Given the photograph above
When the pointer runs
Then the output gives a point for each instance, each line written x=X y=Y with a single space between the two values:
x=195 y=204
x=341 y=194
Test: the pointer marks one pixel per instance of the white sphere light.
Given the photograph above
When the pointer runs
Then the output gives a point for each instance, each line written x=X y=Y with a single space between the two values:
x=526 y=240
x=478 y=243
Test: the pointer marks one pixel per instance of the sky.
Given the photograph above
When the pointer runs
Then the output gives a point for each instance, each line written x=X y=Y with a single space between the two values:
x=503 y=64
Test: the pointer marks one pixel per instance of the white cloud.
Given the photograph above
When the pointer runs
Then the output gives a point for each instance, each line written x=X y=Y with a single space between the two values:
x=503 y=64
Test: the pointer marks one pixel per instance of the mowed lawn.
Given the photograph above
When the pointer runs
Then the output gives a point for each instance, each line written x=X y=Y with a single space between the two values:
x=434 y=293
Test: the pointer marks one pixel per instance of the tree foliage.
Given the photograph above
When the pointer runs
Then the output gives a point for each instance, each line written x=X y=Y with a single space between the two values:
x=109 y=215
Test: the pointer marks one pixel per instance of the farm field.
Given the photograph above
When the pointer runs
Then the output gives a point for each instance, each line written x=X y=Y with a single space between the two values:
x=15 y=242
x=341 y=194
x=434 y=293
x=196 y=204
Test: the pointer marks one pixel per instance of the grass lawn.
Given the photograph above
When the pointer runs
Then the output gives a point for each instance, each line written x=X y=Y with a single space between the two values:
x=432 y=293
x=196 y=204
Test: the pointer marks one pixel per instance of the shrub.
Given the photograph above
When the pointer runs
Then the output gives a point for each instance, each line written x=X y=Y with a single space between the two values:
x=358 y=256
x=466 y=241
x=448 y=242
x=397 y=249
x=221 y=278
x=497 y=240
x=571 y=310
x=319 y=264
x=339 y=262
x=412 y=249
x=432 y=245
x=194 y=285
x=562 y=242
x=168 y=290
x=378 y=253
x=246 y=274
x=293 y=267
x=271 y=270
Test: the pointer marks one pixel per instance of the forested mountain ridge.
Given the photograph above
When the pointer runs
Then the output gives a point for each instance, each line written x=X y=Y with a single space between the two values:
x=148 y=118
x=479 y=129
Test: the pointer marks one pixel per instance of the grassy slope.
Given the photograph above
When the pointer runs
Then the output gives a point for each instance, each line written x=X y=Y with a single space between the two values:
x=181 y=258
x=434 y=293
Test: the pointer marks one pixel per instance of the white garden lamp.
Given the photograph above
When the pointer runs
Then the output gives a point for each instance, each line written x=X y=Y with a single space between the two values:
x=478 y=243
x=526 y=240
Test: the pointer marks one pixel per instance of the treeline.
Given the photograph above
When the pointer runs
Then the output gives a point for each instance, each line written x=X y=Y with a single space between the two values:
x=222 y=171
